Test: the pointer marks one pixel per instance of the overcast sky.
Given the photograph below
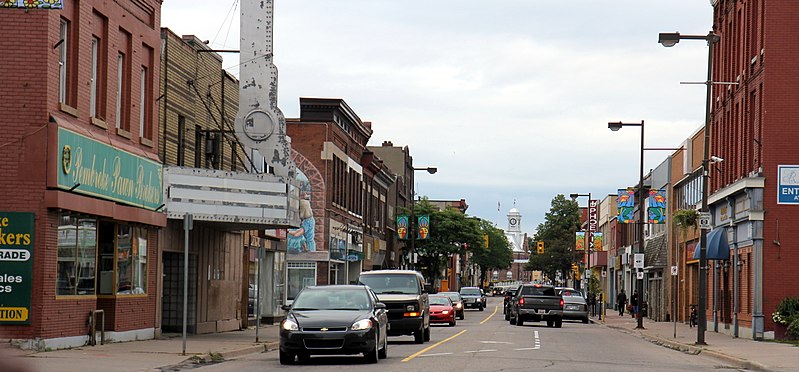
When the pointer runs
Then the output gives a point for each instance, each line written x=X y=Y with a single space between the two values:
x=510 y=99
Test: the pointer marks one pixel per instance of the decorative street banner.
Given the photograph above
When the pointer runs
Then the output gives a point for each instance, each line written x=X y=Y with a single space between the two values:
x=16 y=267
x=579 y=241
x=424 y=227
x=94 y=168
x=402 y=227
x=30 y=4
x=597 y=242
x=626 y=205
x=657 y=206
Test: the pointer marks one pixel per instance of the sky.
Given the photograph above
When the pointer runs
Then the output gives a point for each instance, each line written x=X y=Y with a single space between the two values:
x=509 y=99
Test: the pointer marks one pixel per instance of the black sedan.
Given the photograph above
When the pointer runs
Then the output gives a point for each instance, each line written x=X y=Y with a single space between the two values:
x=334 y=320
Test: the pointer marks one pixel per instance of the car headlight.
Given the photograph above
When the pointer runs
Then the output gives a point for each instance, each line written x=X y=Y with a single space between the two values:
x=410 y=308
x=445 y=312
x=361 y=325
x=290 y=325
x=458 y=305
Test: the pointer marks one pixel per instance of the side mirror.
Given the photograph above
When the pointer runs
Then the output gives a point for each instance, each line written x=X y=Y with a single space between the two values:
x=380 y=306
x=285 y=307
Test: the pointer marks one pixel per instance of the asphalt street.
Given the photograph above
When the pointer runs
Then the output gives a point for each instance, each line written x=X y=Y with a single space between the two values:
x=484 y=341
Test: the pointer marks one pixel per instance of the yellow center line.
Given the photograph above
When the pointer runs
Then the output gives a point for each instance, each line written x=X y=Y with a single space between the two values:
x=420 y=352
x=492 y=314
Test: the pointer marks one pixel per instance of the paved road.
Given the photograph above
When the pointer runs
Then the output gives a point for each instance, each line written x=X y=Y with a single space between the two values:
x=485 y=342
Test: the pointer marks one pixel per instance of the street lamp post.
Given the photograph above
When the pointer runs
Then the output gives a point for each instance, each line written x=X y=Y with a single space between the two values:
x=670 y=40
x=412 y=252
x=641 y=217
x=588 y=238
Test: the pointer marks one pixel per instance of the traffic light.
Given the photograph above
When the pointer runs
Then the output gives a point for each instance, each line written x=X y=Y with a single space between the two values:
x=485 y=240
x=576 y=270
x=540 y=247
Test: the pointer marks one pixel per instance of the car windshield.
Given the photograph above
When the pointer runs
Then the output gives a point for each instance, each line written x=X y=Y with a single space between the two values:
x=537 y=291
x=392 y=283
x=440 y=301
x=470 y=291
x=454 y=296
x=332 y=299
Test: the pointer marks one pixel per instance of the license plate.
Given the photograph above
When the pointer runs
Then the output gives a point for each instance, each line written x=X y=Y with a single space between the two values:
x=539 y=311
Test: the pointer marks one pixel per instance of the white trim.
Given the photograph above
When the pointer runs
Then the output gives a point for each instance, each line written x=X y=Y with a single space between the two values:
x=740 y=185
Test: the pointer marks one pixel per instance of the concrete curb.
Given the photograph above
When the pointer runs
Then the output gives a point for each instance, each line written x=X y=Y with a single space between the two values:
x=693 y=349
x=254 y=349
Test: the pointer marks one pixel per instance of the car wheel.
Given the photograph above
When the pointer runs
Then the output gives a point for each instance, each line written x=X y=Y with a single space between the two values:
x=481 y=307
x=512 y=320
x=558 y=323
x=550 y=323
x=461 y=316
x=383 y=353
x=371 y=356
x=507 y=316
x=286 y=357
x=418 y=336
x=520 y=322
x=585 y=320
x=452 y=323
x=427 y=334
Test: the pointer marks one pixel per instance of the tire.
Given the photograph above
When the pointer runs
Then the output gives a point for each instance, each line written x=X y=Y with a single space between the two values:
x=507 y=316
x=559 y=323
x=481 y=307
x=520 y=322
x=427 y=334
x=585 y=320
x=512 y=321
x=286 y=357
x=383 y=353
x=550 y=323
x=372 y=356
x=452 y=323
x=418 y=336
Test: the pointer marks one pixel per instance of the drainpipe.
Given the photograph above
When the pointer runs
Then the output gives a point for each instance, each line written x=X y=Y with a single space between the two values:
x=735 y=261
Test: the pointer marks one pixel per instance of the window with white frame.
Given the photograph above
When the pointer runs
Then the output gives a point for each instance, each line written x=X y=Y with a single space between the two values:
x=93 y=86
x=142 y=101
x=62 y=62
x=120 y=82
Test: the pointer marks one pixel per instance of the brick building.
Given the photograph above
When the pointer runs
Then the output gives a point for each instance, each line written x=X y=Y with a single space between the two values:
x=80 y=157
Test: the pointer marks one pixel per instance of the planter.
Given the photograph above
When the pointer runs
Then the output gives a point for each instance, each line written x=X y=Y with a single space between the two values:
x=780 y=331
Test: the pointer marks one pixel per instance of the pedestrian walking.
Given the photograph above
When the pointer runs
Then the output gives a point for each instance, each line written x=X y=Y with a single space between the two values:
x=634 y=302
x=621 y=302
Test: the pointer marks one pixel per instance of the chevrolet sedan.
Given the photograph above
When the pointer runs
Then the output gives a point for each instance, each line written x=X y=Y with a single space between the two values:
x=441 y=310
x=334 y=320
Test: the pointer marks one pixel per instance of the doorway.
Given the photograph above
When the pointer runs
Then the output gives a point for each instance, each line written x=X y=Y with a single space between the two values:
x=172 y=300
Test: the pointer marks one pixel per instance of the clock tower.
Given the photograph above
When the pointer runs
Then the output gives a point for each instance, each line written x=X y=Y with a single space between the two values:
x=514 y=221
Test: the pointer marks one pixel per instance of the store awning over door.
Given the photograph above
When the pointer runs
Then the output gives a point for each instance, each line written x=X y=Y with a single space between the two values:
x=717 y=246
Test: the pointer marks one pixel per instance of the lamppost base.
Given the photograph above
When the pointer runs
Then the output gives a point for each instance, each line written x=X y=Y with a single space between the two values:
x=700 y=343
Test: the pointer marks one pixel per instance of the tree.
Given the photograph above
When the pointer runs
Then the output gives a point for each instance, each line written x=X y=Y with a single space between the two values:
x=497 y=256
x=557 y=233
x=451 y=232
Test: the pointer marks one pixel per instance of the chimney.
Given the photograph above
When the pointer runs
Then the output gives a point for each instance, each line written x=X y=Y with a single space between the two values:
x=387 y=144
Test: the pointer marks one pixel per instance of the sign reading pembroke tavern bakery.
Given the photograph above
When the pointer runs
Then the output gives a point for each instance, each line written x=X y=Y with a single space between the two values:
x=16 y=267
x=94 y=168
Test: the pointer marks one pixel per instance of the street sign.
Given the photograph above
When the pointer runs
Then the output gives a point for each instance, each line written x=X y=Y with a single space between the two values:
x=704 y=221
x=674 y=270
x=638 y=261
x=640 y=275
x=587 y=273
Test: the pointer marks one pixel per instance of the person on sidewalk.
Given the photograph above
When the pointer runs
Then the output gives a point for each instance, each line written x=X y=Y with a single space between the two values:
x=621 y=302
x=634 y=302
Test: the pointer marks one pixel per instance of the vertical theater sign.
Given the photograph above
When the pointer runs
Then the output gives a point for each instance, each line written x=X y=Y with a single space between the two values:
x=16 y=267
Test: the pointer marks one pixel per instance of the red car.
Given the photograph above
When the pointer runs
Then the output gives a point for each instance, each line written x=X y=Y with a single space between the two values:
x=441 y=310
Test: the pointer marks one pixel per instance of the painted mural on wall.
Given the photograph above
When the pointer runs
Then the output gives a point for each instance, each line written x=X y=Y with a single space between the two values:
x=302 y=239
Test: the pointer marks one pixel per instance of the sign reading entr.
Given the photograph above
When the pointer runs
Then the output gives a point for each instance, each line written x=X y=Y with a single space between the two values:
x=16 y=266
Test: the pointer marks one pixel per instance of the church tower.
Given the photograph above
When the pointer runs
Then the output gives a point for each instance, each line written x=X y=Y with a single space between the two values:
x=514 y=232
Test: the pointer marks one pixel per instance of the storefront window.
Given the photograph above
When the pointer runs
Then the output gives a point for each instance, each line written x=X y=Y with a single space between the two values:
x=77 y=255
x=300 y=275
x=131 y=260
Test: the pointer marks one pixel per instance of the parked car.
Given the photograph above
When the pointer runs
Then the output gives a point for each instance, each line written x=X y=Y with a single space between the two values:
x=441 y=310
x=457 y=303
x=536 y=302
x=406 y=297
x=336 y=319
x=473 y=297
x=574 y=305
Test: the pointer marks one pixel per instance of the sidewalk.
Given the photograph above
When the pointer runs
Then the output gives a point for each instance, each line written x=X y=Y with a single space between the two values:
x=737 y=352
x=149 y=355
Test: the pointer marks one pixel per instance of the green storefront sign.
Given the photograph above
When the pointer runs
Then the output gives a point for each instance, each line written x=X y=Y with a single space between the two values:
x=94 y=168
x=16 y=267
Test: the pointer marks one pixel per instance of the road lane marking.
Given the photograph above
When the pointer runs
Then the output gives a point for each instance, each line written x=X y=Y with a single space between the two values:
x=536 y=342
x=492 y=314
x=479 y=351
x=431 y=347
x=496 y=342
x=436 y=354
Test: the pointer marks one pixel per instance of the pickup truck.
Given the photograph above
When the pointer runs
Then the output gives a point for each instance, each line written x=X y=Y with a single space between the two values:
x=535 y=302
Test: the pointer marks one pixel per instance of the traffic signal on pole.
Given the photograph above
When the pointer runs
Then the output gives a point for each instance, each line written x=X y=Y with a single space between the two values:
x=540 y=247
x=485 y=240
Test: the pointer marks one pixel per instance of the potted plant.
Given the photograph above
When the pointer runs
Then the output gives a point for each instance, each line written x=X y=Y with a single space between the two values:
x=785 y=314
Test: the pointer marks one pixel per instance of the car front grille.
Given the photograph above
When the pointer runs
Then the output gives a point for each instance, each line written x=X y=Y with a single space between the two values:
x=324 y=344
x=331 y=329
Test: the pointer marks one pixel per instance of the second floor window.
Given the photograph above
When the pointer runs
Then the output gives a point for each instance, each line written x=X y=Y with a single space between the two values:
x=93 y=83
x=62 y=62
x=120 y=90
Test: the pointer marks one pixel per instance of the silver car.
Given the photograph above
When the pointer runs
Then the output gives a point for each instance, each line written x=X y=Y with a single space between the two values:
x=574 y=305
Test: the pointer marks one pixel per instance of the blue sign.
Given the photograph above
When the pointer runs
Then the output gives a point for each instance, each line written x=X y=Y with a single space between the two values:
x=788 y=184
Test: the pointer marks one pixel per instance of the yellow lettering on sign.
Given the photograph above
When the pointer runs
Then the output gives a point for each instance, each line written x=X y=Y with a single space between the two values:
x=15 y=314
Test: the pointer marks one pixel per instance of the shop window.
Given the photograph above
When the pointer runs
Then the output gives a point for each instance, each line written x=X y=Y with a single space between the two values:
x=77 y=255
x=300 y=275
x=131 y=255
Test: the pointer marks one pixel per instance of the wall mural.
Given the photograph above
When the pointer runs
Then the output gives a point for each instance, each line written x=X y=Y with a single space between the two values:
x=302 y=239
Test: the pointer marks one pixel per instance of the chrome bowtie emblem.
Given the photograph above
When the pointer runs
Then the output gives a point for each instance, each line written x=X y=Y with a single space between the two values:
x=323 y=329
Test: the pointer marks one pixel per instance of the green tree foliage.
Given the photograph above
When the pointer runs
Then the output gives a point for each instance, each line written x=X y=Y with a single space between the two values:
x=451 y=232
x=499 y=254
x=557 y=233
